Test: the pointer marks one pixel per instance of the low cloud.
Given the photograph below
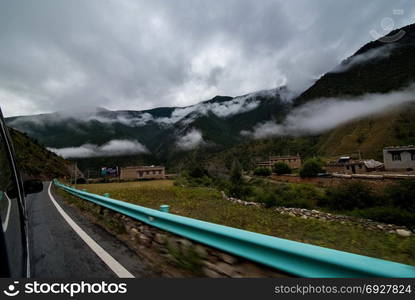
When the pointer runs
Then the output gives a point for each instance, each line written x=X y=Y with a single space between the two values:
x=112 y=148
x=183 y=115
x=322 y=115
x=190 y=140
x=369 y=56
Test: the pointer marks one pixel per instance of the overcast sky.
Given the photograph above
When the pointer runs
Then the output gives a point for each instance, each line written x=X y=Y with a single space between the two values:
x=131 y=54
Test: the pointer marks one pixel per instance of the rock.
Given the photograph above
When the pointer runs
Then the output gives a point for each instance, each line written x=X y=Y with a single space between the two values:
x=291 y=214
x=221 y=268
x=134 y=231
x=304 y=217
x=228 y=258
x=160 y=238
x=210 y=273
x=403 y=232
x=201 y=251
x=144 y=238
x=185 y=244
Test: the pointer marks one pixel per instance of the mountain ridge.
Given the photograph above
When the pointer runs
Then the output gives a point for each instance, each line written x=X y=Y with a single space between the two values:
x=217 y=123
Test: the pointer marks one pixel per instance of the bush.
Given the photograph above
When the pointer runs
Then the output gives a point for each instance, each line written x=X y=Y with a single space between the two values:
x=290 y=195
x=262 y=172
x=188 y=179
x=281 y=168
x=269 y=199
x=311 y=168
x=390 y=215
x=349 y=196
x=237 y=187
x=197 y=171
x=402 y=194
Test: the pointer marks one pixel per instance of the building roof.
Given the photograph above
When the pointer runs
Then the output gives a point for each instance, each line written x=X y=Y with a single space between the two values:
x=285 y=157
x=373 y=164
x=399 y=148
x=144 y=167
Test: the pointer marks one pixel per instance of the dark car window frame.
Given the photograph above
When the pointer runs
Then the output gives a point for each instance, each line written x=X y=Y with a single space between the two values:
x=5 y=136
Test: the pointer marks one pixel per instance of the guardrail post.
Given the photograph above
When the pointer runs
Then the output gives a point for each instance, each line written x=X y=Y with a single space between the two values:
x=164 y=208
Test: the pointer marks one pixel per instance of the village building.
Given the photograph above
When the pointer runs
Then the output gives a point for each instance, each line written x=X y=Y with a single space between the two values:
x=399 y=158
x=348 y=165
x=294 y=161
x=142 y=172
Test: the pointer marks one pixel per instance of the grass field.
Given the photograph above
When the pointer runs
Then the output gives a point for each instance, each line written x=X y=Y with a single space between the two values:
x=207 y=204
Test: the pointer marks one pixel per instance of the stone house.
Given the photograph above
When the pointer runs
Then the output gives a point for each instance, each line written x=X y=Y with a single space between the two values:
x=399 y=158
x=142 y=172
x=347 y=165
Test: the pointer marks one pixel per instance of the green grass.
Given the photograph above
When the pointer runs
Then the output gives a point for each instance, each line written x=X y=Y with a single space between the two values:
x=206 y=204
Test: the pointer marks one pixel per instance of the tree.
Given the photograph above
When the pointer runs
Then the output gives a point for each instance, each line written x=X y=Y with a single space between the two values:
x=281 y=168
x=402 y=194
x=237 y=185
x=349 y=196
x=236 y=173
x=311 y=168
x=262 y=172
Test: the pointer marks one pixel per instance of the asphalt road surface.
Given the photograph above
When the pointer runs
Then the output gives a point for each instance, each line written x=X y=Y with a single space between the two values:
x=58 y=251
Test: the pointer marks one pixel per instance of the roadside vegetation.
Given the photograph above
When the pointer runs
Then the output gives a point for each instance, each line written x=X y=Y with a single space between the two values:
x=205 y=202
x=394 y=204
x=34 y=160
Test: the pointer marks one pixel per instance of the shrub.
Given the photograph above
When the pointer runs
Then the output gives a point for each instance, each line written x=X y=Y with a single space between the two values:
x=390 y=215
x=197 y=171
x=402 y=194
x=311 y=168
x=237 y=186
x=349 y=196
x=236 y=177
x=289 y=195
x=281 y=168
x=269 y=199
x=262 y=172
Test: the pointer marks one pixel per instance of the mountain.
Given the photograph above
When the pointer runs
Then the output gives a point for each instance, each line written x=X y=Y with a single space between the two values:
x=35 y=161
x=164 y=132
x=211 y=130
x=376 y=68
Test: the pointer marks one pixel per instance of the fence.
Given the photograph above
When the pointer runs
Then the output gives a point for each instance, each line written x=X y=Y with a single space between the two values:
x=295 y=258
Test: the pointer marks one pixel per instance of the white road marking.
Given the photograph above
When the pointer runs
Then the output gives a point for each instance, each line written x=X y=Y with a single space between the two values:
x=113 y=264
x=6 y=220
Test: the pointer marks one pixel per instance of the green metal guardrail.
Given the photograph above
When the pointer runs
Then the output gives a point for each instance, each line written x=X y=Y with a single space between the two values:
x=298 y=259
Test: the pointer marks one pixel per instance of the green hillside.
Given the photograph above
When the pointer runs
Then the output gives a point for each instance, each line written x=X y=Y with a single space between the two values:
x=34 y=160
x=368 y=135
x=393 y=69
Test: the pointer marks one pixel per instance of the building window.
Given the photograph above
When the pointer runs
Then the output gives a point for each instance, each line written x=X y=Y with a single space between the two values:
x=396 y=156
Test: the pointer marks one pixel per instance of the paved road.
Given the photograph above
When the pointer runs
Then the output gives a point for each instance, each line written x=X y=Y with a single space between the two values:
x=57 y=251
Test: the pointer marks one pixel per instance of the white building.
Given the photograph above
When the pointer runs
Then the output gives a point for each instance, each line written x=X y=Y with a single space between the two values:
x=399 y=158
